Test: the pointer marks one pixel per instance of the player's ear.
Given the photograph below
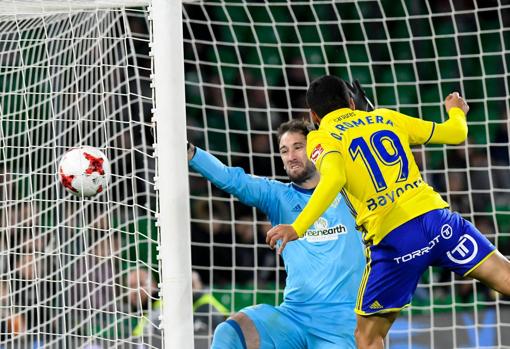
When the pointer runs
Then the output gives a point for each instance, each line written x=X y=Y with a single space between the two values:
x=352 y=105
x=316 y=120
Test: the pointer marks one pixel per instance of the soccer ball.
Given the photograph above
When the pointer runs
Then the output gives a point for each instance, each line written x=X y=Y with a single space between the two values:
x=84 y=171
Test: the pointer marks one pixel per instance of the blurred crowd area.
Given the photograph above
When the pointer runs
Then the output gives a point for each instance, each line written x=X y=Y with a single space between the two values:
x=248 y=66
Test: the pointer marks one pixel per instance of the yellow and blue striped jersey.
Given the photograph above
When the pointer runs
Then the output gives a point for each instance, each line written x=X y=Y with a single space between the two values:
x=382 y=180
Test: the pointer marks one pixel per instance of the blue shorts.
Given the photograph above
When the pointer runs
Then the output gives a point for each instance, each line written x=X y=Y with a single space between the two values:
x=394 y=266
x=306 y=326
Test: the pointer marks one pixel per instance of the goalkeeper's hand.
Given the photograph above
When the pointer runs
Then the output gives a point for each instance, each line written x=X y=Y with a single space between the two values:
x=191 y=151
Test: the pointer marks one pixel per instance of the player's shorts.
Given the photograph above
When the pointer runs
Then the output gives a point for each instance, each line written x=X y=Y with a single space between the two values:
x=307 y=326
x=394 y=266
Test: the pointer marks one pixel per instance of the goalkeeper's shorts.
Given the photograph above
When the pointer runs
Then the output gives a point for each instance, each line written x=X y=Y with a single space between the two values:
x=305 y=326
x=394 y=266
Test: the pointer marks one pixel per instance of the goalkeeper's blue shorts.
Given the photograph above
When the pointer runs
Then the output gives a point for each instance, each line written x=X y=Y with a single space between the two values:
x=394 y=266
x=304 y=326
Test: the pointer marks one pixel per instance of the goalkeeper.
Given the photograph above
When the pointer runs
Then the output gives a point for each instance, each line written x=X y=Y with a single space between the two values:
x=406 y=224
x=323 y=268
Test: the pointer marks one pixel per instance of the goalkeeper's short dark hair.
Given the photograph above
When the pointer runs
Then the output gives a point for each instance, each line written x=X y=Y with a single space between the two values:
x=294 y=126
x=326 y=94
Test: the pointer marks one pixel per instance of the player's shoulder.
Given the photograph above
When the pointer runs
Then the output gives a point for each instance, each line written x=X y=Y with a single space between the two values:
x=390 y=116
x=281 y=190
x=317 y=134
x=384 y=111
x=270 y=181
x=277 y=186
x=316 y=138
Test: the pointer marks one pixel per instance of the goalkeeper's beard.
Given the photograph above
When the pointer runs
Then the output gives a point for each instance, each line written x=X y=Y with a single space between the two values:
x=304 y=175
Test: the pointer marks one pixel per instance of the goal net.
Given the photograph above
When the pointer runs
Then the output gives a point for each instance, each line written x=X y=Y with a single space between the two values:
x=77 y=272
x=247 y=67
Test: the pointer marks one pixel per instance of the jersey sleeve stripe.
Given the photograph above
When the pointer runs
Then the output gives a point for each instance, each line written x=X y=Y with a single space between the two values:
x=431 y=133
x=349 y=203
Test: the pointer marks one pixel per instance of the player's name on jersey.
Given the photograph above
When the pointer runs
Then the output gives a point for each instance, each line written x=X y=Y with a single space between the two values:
x=363 y=121
x=316 y=235
x=383 y=200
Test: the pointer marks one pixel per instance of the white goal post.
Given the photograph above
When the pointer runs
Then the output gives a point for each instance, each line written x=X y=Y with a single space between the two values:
x=92 y=273
x=113 y=270
x=172 y=183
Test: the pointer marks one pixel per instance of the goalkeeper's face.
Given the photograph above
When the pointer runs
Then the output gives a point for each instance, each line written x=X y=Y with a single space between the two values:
x=295 y=162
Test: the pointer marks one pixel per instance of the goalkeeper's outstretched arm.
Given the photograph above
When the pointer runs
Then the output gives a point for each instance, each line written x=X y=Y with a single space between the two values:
x=251 y=190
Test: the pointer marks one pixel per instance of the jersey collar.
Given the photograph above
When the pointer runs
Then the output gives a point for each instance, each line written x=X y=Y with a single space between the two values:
x=336 y=113
x=302 y=190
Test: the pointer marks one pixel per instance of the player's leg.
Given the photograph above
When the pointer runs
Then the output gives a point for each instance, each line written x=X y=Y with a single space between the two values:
x=393 y=269
x=328 y=326
x=261 y=326
x=468 y=252
x=237 y=332
x=371 y=330
x=494 y=272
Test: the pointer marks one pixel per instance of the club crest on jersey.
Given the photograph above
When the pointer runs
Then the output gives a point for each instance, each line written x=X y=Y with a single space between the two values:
x=321 y=223
x=316 y=152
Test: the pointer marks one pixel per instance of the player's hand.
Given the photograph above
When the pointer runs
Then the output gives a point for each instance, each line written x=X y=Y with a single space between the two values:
x=284 y=232
x=455 y=100
x=191 y=151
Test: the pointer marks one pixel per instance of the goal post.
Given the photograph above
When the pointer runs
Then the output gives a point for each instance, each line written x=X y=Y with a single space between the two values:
x=172 y=183
x=112 y=270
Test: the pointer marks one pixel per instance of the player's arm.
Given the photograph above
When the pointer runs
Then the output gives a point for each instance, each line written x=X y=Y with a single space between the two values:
x=452 y=131
x=251 y=190
x=330 y=165
x=331 y=182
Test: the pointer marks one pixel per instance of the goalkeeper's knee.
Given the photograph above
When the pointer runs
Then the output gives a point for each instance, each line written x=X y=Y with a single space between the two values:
x=228 y=335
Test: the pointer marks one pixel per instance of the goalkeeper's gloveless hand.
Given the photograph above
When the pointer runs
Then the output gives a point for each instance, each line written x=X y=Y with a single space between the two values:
x=284 y=232
x=191 y=150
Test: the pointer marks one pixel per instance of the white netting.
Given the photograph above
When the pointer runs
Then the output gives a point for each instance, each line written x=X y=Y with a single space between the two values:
x=29 y=7
x=248 y=65
x=76 y=271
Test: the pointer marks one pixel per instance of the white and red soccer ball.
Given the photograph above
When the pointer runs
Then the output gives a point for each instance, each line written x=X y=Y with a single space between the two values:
x=84 y=171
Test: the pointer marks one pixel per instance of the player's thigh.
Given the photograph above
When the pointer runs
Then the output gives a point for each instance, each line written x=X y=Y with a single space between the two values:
x=463 y=248
x=341 y=340
x=494 y=272
x=371 y=330
x=328 y=326
x=275 y=329
x=393 y=269
x=251 y=335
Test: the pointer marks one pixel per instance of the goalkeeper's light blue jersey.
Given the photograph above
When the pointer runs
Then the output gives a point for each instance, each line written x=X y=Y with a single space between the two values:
x=325 y=266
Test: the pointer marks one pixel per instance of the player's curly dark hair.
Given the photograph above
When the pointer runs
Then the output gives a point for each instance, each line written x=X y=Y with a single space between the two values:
x=326 y=94
x=294 y=126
